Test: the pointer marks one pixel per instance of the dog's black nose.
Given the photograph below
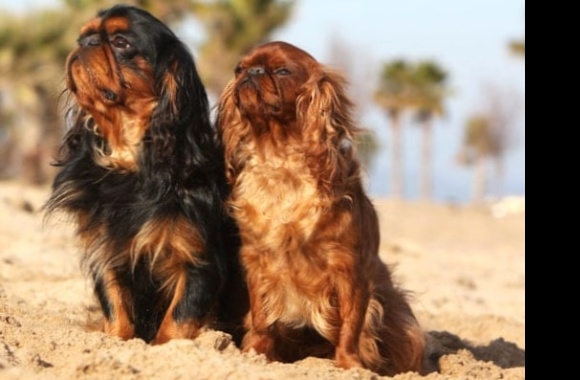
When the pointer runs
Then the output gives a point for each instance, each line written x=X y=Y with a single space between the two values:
x=257 y=70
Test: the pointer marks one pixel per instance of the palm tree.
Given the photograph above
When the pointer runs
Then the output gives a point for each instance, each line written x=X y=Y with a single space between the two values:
x=502 y=107
x=429 y=92
x=478 y=146
x=394 y=96
x=234 y=27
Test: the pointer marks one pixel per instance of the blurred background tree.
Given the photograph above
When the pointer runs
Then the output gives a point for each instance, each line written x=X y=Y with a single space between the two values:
x=32 y=52
x=420 y=88
x=489 y=134
x=502 y=106
x=518 y=48
x=233 y=27
x=429 y=93
x=478 y=147
x=394 y=96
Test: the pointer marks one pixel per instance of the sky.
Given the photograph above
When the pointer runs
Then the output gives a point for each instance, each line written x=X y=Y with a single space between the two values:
x=468 y=38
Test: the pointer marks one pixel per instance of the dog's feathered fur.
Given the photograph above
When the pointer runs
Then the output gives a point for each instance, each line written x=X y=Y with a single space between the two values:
x=142 y=176
x=310 y=235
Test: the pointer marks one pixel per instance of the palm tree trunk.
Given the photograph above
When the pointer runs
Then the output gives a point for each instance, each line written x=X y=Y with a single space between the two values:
x=397 y=159
x=426 y=178
x=479 y=180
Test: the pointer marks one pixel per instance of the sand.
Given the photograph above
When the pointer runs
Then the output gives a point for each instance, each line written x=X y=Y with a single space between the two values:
x=465 y=267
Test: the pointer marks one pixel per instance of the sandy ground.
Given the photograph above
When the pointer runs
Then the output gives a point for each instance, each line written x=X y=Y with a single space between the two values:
x=465 y=267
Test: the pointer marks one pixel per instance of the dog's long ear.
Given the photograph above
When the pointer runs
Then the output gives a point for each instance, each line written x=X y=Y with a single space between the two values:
x=232 y=130
x=325 y=113
x=78 y=125
x=181 y=135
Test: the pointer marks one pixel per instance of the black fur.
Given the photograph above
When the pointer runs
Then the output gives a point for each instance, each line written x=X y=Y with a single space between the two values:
x=180 y=174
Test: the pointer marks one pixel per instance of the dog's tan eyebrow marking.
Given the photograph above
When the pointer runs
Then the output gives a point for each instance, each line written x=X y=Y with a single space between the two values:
x=116 y=25
x=91 y=27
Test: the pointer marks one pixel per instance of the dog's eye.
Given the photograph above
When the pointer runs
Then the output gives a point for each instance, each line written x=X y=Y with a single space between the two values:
x=283 y=72
x=120 y=42
x=238 y=70
x=90 y=40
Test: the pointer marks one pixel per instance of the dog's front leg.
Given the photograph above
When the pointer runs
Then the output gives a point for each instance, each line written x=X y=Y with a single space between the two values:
x=352 y=296
x=194 y=293
x=115 y=305
x=258 y=336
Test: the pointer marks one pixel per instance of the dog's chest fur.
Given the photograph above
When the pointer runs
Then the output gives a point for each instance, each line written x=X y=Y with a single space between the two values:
x=278 y=205
x=277 y=201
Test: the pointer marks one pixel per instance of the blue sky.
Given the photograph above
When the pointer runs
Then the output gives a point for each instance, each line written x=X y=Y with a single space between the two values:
x=467 y=37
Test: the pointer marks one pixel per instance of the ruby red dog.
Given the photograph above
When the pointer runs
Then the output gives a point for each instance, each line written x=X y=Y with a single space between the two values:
x=310 y=235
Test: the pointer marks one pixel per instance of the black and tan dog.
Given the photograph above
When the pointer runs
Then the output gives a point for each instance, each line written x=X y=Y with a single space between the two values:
x=142 y=176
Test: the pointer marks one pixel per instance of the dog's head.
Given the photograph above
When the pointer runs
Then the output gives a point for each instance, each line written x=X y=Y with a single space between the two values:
x=132 y=78
x=280 y=93
x=269 y=80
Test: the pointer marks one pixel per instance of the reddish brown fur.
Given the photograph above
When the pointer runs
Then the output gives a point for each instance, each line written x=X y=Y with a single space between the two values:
x=310 y=235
